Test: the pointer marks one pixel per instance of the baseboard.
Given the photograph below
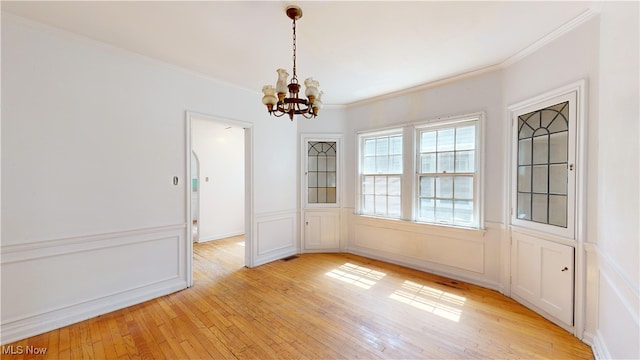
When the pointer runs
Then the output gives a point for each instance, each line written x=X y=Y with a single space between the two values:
x=221 y=236
x=599 y=348
x=396 y=259
x=35 y=325
x=54 y=283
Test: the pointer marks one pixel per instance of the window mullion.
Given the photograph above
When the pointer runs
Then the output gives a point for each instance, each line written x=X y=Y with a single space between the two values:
x=408 y=172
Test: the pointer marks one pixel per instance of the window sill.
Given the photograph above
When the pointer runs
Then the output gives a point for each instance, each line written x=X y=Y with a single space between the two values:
x=418 y=226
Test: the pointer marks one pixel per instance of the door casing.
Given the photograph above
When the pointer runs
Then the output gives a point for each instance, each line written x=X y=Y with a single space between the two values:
x=579 y=237
x=248 y=184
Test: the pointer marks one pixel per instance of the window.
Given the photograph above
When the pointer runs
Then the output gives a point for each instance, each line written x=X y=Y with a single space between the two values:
x=320 y=179
x=446 y=174
x=444 y=170
x=321 y=172
x=381 y=175
x=543 y=165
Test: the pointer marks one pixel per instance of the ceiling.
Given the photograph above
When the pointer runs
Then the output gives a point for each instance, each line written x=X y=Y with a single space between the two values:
x=355 y=49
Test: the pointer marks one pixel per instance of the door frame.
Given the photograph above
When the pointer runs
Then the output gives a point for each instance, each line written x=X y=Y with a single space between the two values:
x=307 y=208
x=248 y=187
x=190 y=218
x=580 y=88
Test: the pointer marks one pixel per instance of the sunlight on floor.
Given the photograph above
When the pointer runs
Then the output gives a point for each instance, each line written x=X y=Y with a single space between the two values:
x=241 y=243
x=432 y=300
x=357 y=275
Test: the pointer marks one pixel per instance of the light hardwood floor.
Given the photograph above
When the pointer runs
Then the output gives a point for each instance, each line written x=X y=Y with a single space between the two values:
x=316 y=306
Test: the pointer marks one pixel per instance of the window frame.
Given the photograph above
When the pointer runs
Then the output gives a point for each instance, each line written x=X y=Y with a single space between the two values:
x=305 y=139
x=362 y=137
x=474 y=120
x=410 y=183
x=575 y=116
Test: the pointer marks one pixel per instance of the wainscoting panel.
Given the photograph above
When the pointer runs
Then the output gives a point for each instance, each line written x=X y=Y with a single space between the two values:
x=453 y=252
x=275 y=236
x=54 y=283
x=617 y=322
x=458 y=253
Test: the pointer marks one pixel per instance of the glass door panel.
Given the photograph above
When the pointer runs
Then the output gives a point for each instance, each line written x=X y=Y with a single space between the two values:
x=543 y=165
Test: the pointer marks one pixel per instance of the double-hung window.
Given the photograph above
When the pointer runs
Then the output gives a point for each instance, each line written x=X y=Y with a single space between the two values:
x=443 y=171
x=447 y=174
x=381 y=174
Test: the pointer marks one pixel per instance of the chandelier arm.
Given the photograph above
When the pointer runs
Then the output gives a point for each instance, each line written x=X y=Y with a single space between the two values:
x=292 y=105
x=278 y=113
x=307 y=115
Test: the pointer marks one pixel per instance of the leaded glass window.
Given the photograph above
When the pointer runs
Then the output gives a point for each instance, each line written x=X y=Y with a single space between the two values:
x=321 y=172
x=543 y=165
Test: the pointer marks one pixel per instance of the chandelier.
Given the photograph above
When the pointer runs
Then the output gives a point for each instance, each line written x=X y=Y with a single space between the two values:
x=276 y=99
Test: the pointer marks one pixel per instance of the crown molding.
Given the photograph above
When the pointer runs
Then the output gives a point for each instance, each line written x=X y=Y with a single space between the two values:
x=425 y=86
x=557 y=33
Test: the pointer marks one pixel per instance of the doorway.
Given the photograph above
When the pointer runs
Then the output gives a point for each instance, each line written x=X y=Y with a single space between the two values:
x=195 y=196
x=219 y=193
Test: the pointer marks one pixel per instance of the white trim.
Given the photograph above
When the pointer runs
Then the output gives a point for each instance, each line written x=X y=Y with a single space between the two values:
x=221 y=236
x=419 y=123
x=532 y=48
x=43 y=249
x=624 y=287
x=409 y=170
x=88 y=41
x=580 y=88
x=525 y=107
x=248 y=174
x=329 y=208
x=93 y=303
x=429 y=85
x=262 y=234
x=328 y=137
x=557 y=33
x=55 y=319
x=600 y=350
x=477 y=120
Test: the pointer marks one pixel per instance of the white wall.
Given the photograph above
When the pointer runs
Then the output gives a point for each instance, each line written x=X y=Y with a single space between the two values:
x=605 y=52
x=220 y=150
x=470 y=255
x=618 y=182
x=92 y=137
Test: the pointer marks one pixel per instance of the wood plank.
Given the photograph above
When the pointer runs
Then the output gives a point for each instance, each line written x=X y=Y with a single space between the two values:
x=315 y=306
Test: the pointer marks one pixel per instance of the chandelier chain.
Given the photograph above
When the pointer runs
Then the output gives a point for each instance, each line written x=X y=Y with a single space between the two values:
x=295 y=77
x=276 y=99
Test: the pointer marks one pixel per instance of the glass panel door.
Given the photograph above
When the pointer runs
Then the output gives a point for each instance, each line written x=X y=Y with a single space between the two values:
x=321 y=172
x=543 y=166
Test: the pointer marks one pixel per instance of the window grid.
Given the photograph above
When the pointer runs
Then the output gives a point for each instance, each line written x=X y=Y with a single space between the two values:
x=543 y=165
x=321 y=172
x=444 y=169
x=446 y=175
x=381 y=175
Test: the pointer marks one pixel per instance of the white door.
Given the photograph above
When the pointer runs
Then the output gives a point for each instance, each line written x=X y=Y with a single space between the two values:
x=321 y=230
x=542 y=275
x=543 y=205
x=321 y=189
